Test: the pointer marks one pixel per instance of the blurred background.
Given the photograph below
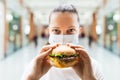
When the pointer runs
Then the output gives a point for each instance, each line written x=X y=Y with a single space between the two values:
x=23 y=31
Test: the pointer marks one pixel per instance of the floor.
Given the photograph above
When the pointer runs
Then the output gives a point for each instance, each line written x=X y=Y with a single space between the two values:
x=12 y=67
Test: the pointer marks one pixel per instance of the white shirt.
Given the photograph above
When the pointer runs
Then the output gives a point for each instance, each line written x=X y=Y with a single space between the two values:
x=68 y=73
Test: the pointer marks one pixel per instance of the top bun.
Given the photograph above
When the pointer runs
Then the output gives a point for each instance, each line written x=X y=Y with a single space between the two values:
x=64 y=49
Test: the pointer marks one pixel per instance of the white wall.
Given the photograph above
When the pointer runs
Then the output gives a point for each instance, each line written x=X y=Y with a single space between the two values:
x=1 y=30
x=111 y=6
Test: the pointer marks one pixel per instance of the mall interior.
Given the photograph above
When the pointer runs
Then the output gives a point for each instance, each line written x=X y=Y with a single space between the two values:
x=23 y=31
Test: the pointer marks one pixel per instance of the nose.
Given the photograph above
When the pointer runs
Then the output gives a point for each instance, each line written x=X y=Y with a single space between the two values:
x=63 y=32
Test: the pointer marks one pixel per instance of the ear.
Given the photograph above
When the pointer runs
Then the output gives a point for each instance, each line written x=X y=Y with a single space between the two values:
x=80 y=30
x=48 y=29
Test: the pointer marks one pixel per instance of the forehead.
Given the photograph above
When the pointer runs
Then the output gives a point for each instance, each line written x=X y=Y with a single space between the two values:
x=63 y=19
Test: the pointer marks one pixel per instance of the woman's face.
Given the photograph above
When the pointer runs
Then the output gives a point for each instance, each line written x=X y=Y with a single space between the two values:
x=63 y=23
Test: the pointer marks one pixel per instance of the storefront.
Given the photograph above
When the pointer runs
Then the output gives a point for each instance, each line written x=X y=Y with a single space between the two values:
x=107 y=26
x=15 y=31
x=111 y=36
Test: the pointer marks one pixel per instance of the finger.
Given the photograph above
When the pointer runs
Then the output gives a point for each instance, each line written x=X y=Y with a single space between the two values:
x=44 y=54
x=83 y=54
x=74 y=46
x=47 y=52
x=45 y=48
x=80 y=49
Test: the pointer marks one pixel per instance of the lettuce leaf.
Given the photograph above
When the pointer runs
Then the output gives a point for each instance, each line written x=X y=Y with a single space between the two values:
x=62 y=55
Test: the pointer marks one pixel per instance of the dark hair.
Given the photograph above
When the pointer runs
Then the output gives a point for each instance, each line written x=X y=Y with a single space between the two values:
x=65 y=8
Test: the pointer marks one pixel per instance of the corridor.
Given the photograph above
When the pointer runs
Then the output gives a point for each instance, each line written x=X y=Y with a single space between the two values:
x=13 y=67
x=26 y=26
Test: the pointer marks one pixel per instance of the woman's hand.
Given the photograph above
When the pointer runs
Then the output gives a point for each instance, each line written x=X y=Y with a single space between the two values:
x=40 y=63
x=83 y=68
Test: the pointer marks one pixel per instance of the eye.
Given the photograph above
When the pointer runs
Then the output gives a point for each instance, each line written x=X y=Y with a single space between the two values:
x=71 y=31
x=56 y=31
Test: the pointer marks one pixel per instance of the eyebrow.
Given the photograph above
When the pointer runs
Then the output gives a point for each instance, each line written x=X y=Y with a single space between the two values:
x=71 y=26
x=54 y=27
x=68 y=27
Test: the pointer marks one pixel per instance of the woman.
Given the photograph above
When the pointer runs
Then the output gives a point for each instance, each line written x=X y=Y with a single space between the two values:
x=63 y=29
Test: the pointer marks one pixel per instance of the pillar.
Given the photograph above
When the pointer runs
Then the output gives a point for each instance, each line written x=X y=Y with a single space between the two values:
x=104 y=31
x=32 y=28
x=21 y=32
x=105 y=25
x=118 y=30
x=93 y=27
x=6 y=29
x=21 y=26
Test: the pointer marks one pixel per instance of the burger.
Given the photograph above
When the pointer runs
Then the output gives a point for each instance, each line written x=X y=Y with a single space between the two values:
x=63 y=56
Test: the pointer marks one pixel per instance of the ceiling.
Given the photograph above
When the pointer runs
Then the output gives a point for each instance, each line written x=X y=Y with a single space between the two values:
x=42 y=8
x=46 y=5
